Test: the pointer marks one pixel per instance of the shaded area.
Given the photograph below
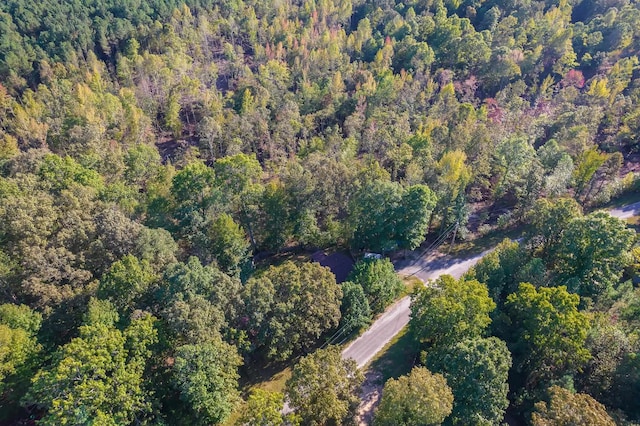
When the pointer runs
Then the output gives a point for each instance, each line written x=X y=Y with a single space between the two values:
x=395 y=360
x=339 y=263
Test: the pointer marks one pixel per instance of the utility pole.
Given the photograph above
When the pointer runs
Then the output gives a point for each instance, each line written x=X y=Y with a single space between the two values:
x=455 y=231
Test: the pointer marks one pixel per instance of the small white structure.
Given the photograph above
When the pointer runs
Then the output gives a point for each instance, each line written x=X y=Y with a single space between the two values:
x=372 y=256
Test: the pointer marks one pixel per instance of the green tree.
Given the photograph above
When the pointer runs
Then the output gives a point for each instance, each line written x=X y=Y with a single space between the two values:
x=19 y=353
x=609 y=346
x=588 y=163
x=547 y=334
x=565 y=408
x=420 y=398
x=450 y=311
x=355 y=310
x=264 y=408
x=238 y=178
x=115 y=236
x=20 y=317
x=235 y=174
x=453 y=177
x=206 y=375
x=513 y=158
x=288 y=307
x=505 y=268
x=192 y=188
x=416 y=205
x=324 y=388
x=125 y=282
x=97 y=377
x=157 y=247
x=477 y=372
x=229 y=245
x=60 y=173
x=172 y=116
x=275 y=224
x=383 y=216
x=198 y=302
x=549 y=220
x=593 y=252
x=142 y=164
x=379 y=280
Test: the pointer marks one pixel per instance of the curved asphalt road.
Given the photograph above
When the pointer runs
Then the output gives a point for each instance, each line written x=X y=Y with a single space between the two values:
x=365 y=347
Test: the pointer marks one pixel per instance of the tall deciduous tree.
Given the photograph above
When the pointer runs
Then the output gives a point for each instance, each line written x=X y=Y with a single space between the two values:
x=453 y=177
x=593 y=251
x=385 y=216
x=355 y=309
x=565 y=408
x=450 y=311
x=420 y=398
x=198 y=301
x=324 y=388
x=206 y=375
x=379 y=280
x=20 y=353
x=193 y=189
x=125 y=282
x=549 y=220
x=264 y=408
x=588 y=163
x=548 y=333
x=97 y=377
x=288 y=307
x=417 y=204
x=229 y=245
x=513 y=157
x=609 y=346
x=477 y=372
x=238 y=178
x=505 y=268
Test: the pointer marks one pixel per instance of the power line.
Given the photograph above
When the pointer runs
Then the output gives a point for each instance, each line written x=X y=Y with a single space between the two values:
x=441 y=239
x=436 y=243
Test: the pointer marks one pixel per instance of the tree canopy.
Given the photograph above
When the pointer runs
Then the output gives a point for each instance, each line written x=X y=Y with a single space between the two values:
x=172 y=166
x=324 y=388
x=477 y=372
x=420 y=398
x=450 y=311
x=567 y=408
x=288 y=307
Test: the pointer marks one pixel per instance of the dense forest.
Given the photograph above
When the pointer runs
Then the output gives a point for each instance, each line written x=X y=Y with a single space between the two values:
x=167 y=167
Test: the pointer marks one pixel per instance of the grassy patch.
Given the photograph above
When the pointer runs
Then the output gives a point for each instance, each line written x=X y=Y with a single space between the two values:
x=276 y=382
x=397 y=357
x=477 y=245
x=270 y=379
x=634 y=223
x=410 y=284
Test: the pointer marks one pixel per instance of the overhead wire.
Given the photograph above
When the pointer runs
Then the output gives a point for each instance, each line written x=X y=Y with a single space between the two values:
x=436 y=243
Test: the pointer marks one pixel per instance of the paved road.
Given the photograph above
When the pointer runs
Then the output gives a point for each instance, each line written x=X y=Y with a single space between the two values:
x=627 y=211
x=396 y=318
x=365 y=347
x=381 y=332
